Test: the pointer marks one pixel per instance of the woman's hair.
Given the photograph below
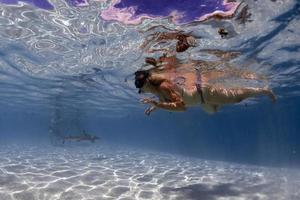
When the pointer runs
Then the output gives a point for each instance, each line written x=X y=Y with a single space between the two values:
x=140 y=78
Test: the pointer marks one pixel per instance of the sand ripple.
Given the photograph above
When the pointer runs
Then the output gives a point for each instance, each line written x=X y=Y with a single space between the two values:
x=94 y=173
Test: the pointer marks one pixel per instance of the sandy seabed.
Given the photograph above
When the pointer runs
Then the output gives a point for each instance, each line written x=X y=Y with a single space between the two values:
x=102 y=172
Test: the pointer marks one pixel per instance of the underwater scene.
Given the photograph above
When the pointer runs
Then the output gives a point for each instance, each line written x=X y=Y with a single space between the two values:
x=150 y=100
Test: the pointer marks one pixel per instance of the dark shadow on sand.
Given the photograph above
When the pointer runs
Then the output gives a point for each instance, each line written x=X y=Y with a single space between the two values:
x=203 y=191
x=212 y=192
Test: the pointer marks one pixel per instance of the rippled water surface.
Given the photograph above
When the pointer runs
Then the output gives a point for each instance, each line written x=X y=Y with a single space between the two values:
x=67 y=70
x=72 y=56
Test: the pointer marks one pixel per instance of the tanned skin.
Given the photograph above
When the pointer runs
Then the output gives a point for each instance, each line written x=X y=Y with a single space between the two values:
x=160 y=83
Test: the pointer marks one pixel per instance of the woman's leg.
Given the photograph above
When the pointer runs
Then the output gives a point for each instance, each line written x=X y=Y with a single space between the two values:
x=221 y=95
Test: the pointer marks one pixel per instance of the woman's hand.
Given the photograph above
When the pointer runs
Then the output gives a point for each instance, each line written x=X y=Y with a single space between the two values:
x=148 y=101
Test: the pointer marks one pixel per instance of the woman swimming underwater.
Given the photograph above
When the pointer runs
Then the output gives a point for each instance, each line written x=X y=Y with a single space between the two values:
x=180 y=85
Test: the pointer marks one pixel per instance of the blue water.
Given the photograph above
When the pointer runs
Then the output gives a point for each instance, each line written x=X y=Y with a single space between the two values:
x=67 y=70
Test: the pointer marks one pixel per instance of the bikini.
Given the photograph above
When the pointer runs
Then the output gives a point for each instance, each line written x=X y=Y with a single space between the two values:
x=181 y=80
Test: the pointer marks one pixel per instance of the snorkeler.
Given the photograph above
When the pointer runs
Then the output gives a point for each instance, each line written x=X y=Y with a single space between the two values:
x=180 y=85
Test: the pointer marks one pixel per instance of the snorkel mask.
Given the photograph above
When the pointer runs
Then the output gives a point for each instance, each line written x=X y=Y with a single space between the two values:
x=140 y=79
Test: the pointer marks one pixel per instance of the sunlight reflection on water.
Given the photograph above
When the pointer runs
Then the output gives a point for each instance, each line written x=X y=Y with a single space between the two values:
x=71 y=52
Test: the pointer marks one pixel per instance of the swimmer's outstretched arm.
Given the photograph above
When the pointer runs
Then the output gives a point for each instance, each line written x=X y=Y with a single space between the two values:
x=172 y=106
x=175 y=104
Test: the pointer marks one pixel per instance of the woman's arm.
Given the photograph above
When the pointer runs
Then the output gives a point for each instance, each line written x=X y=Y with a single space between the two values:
x=167 y=91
